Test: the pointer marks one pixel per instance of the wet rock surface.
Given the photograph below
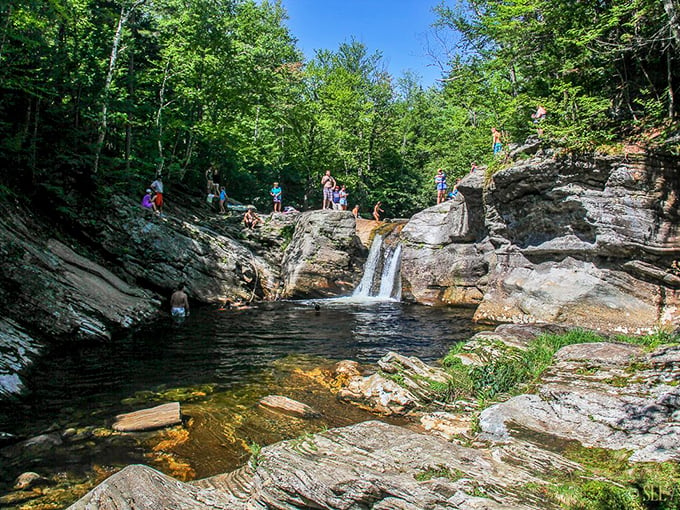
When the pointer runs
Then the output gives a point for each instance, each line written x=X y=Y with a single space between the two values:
x=164 y=415
x=441 y=463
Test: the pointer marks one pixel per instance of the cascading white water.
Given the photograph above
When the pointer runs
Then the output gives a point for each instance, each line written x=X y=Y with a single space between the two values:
x=390 y=280
x=388 y=260
x=364 y=287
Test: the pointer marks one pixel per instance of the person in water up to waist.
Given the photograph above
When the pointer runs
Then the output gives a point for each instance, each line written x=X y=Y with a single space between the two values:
x=179 y=302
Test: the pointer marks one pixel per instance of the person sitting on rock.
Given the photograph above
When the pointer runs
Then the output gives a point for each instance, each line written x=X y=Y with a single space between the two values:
x=147 y=201
x=250 y=219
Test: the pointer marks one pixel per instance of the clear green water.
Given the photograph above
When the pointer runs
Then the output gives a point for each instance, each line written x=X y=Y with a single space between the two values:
x=219 y=363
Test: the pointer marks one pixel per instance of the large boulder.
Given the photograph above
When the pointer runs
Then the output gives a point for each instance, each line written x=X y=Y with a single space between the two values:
x=588 y=241
x=325 y=257
x=444 y=256
x=50 y=290
x=161 y=251
x=584 y=241
x=604 y=395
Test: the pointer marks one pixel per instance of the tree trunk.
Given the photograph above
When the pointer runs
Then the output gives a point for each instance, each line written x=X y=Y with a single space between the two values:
x=159 y=124
x=671 y=94
x=671 y=8
x=103 y=116
x=131 y=102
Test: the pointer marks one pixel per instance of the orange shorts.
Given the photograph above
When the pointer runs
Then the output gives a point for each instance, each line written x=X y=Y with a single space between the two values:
x=159 y=200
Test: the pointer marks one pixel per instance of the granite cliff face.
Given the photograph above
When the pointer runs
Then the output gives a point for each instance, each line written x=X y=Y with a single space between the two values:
x=582 y=241
x=586 y=241
x=325 y=257
x=117 y=267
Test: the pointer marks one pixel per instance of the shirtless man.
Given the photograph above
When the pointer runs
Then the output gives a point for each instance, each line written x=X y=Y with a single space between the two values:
x=328 y=184
x=179 y=303
x=377 y=210
x=497 y=144
x=250 y=219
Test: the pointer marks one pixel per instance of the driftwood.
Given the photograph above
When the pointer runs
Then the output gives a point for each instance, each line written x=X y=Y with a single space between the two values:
x=157 y=417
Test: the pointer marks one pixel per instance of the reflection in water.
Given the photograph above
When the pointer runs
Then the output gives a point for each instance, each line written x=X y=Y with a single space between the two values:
x=223 y=347
x=241 y=356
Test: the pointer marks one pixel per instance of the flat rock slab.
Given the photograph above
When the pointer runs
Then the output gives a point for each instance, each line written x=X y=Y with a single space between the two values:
x=157 y=417
x=288 y=406
x=369 y=465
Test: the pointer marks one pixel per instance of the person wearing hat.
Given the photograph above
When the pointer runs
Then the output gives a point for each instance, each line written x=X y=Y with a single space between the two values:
x=147 y=201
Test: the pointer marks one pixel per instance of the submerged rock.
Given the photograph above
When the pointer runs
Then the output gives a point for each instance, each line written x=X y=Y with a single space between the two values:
x=29 y=480
x=164 y=415
x=288 y=406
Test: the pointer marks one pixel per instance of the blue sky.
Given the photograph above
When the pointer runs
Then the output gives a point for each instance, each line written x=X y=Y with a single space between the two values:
x=396 y=28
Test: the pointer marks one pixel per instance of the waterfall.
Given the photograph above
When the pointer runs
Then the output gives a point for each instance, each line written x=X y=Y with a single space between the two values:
x=364 y=287
x=381 y=277
x=390 y=280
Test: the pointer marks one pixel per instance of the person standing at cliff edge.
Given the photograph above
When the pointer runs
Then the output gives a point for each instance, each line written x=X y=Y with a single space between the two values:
x=328 y=184
x=497 y=144
x=440 y=184
x=275 y=192
x=377 y=210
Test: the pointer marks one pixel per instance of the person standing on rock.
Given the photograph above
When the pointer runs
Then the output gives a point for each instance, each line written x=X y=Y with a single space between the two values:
x=275 y=192
x=343 y=198
x=440 y=185
x=223 y=199
x=336 y=198
x=327 y=183
x=355 y=212
x=496 y=144
x=209 y=180
x=539 y=116
x=377 y=210
x=157 y=187
x=179 y=303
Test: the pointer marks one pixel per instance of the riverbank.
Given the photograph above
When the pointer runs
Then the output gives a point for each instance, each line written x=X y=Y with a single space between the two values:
x=612 y=439
x=217 y=365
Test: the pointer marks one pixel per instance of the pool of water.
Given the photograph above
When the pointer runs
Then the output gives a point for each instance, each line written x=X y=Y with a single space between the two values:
x=224 y=361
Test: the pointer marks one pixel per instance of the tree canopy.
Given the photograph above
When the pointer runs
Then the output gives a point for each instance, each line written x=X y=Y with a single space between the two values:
x=103 y=95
